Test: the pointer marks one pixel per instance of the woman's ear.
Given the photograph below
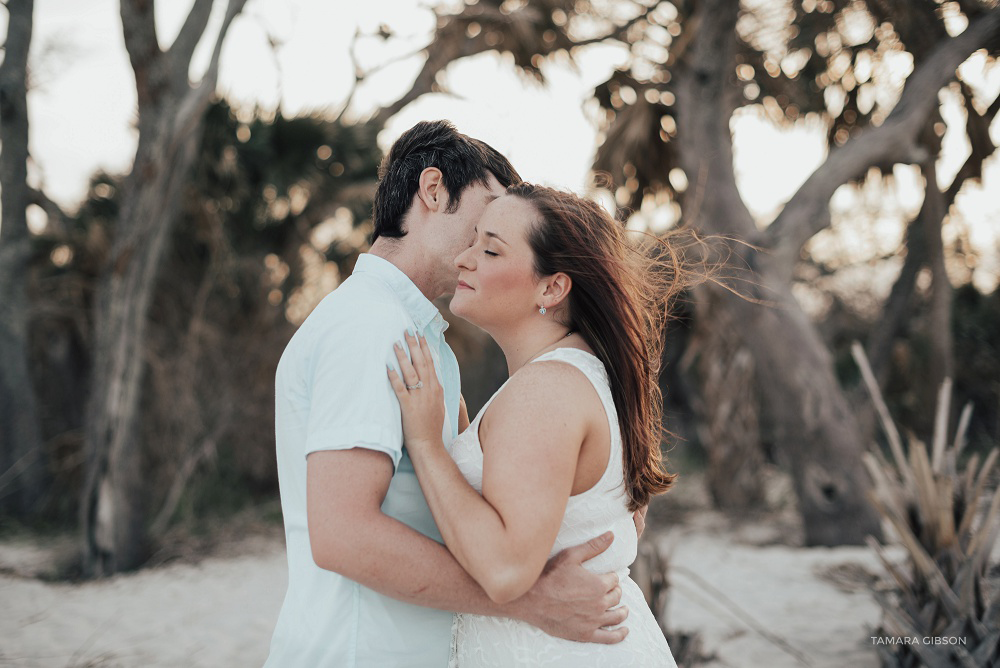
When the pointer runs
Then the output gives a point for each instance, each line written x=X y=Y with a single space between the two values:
x=556 y=289
x=431 y=190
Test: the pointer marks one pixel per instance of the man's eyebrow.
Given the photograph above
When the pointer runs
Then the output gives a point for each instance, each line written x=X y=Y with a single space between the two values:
x=496 y=236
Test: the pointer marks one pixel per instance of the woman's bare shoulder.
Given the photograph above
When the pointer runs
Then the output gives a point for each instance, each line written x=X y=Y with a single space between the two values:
x=549 y=389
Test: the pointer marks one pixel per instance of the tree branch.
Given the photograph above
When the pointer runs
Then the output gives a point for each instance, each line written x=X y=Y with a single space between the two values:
x=182 y=49
x=139 y=30
x=358 y=75
x=440 y=53
x=978 y=130
x=619 y=33
x=994 y=108
x=894 y=141
x=191 y=108
x=448 y=46
x=212 y=74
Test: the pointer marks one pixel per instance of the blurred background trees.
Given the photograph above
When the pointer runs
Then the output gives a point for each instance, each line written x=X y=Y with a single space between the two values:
x=234 y=222
x=666 y=122
x=22 y=468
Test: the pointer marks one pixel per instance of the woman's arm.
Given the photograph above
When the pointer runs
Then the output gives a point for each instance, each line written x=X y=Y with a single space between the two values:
x=531 y=441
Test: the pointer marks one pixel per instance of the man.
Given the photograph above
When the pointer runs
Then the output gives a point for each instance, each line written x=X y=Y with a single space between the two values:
x=369 y=582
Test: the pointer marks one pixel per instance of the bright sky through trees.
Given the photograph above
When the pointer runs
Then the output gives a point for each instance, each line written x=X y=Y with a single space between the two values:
x=83 y=97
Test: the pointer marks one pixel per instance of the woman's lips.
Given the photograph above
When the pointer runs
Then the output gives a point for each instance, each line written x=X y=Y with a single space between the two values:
x=462 y=285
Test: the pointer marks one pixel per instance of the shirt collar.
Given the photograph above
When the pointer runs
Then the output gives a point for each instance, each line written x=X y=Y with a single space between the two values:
x=421 y=309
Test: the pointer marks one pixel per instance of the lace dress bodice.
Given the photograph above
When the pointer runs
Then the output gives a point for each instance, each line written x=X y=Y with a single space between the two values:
x=482 y=642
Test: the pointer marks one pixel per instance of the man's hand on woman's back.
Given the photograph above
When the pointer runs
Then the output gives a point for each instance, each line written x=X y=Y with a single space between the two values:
x=570 y=602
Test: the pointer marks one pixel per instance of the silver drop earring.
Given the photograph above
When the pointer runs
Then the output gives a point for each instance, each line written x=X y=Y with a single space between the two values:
x=541 y=310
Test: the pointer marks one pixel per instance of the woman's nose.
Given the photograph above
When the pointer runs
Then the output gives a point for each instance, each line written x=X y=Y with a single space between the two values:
x=464 y=260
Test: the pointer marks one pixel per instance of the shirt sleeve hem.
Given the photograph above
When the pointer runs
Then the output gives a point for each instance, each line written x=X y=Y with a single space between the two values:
x=370 y=436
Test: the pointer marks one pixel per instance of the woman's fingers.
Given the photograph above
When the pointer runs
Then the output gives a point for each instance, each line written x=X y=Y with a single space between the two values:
x=395 y=381
x=425 y=350
x=417 y=356
x=416 y=367
x=430 y=376
x=409 y=374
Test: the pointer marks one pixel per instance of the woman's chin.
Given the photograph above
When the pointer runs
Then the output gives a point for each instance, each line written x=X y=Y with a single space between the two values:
x=460 y=306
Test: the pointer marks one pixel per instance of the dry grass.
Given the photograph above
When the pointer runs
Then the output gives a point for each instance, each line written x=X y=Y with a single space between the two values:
x=943 y=514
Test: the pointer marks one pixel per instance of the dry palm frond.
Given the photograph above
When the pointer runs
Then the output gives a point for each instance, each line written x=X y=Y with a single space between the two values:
x=948 y=523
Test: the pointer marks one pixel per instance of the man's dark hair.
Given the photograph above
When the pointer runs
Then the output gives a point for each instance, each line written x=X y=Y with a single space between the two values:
x=461 y=159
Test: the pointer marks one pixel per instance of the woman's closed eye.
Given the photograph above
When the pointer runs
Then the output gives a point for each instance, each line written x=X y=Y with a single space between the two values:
x=491 y=253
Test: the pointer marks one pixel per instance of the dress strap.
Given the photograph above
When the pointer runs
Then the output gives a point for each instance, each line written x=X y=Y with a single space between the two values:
x=588 y=363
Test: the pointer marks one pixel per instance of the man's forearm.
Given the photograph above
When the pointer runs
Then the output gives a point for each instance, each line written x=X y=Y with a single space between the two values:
x=391 y=558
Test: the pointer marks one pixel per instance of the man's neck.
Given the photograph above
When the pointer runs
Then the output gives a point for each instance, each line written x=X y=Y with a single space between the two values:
x=408 y=260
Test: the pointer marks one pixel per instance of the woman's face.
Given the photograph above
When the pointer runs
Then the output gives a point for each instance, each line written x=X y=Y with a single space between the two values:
x=497 y=283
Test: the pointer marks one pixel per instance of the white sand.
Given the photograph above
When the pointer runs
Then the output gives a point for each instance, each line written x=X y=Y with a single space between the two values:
x=217 y=613
x=748 y=601
x=220 y=612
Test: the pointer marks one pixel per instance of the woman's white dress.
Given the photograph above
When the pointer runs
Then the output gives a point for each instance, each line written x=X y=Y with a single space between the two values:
x=488 y=642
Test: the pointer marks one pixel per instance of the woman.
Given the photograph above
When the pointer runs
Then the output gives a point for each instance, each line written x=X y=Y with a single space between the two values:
x=569 y=446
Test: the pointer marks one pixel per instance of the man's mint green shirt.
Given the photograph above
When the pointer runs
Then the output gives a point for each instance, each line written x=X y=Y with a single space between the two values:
x=332 y=393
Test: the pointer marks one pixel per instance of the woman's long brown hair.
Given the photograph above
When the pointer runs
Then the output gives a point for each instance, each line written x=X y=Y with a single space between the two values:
x=618 y=302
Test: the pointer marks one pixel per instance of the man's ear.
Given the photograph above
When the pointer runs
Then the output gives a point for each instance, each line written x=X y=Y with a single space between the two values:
x=556 y=290
x=431 y=190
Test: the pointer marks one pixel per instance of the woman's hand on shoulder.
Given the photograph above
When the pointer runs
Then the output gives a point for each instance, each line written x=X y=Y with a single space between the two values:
x=421 y=397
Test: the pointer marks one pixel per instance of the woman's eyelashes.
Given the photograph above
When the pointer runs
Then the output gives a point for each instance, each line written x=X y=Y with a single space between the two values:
x=476 y=240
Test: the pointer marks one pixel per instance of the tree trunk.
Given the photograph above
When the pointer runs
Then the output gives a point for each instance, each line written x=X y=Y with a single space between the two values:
x=22 y=461
x=171 y=115
x=115 y=512
x=893 y=321
x=814 y=429
x=727 y=410
x=941 y=364
x=896 y=313
x=814 y=432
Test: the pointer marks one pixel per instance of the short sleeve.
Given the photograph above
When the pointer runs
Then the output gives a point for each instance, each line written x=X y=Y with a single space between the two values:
x=352 y=402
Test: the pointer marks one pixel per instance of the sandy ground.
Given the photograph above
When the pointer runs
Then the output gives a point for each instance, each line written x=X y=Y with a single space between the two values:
x=756 y=600
x=219 y=612
x=770 y=606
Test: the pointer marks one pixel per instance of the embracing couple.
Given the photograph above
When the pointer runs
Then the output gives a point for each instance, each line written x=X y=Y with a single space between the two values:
x=504 y=542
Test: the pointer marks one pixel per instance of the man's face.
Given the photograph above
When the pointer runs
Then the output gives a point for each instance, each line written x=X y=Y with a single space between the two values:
x=456 y=231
